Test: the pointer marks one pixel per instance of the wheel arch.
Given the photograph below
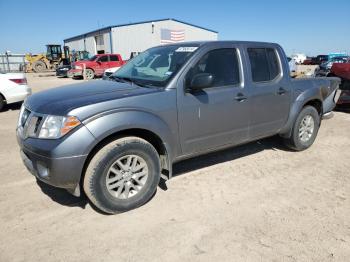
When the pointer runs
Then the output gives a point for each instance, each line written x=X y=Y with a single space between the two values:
x=149 y=136
x=296 y=108
x=2 y=96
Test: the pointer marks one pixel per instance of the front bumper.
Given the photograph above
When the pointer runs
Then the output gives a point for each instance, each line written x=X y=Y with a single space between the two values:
x=58 y=172
x=62 y=73
x=75 y=73
x=57 y=162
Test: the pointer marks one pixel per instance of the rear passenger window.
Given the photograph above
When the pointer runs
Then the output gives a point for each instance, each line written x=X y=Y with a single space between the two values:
x=264 y=64
x=221 y=63
x=114 y=58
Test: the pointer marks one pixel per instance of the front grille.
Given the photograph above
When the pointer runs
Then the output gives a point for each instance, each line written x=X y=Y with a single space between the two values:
x=29 y=123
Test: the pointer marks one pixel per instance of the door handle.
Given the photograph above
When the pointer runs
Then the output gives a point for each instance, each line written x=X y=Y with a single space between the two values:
x=240 y=97
x=281 y=91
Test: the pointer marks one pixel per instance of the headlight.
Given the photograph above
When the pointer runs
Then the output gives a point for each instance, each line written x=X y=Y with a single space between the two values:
x=78 y=67
x=64 y=68
x=57 y=126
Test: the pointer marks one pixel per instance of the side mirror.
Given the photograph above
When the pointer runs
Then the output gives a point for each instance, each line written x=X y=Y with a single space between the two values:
x=201 y=81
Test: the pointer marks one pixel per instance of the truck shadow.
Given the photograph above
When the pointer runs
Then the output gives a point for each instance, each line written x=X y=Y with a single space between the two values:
x=62 y=197
x=271 y=143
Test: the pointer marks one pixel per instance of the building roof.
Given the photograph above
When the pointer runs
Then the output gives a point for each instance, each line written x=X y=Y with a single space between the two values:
x=136 y=23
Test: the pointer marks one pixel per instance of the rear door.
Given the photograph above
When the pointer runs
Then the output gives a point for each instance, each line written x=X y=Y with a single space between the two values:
x=270 y=90
x=217 y=115
x=114 y=61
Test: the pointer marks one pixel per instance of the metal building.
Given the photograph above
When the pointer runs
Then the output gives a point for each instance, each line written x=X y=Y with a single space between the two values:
x=137 y=37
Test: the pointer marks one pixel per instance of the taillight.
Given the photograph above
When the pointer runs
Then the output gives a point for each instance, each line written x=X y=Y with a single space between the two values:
x=20 y=81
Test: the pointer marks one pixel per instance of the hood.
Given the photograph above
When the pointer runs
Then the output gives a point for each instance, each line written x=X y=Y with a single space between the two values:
x=61 y=100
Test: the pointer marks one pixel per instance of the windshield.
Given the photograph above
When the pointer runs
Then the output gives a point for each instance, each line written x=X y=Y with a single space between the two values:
x=157 y=65
x=93 y=58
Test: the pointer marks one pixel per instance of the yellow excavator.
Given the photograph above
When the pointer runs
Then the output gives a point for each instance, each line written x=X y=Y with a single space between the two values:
x=49 y=61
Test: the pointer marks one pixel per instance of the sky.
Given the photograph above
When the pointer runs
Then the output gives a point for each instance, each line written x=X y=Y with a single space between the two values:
x=299 y=26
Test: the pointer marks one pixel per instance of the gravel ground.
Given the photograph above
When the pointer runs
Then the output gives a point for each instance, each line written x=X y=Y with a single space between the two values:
x=257 y=202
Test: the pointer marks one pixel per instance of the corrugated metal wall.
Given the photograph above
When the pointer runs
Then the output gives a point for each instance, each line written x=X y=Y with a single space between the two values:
x=137 y=38
x=89 y=43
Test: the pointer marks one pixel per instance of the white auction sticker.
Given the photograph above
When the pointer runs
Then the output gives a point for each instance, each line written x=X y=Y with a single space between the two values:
x=186 y=49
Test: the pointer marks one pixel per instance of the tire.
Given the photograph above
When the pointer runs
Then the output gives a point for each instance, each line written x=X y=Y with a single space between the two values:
x=2 y=103
x=39 y=66
x=98 y=175
x=300 y=140
x=90 y=74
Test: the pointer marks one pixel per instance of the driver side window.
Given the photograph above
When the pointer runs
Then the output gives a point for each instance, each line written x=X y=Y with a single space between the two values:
x=222 y=64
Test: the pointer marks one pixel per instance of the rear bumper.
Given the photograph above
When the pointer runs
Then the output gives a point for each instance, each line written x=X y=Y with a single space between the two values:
x=330 y=102
x=20 y=94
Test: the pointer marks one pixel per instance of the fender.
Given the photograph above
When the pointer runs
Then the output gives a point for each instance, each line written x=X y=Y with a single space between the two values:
x=302 y=98
x=108 y=123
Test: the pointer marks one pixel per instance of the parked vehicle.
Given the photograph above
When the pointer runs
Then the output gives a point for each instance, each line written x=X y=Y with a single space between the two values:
x=53 y=57
x=299 y=58
x=319 y=59
x=108 y=72
x=325 y=68
x=344 y=100
x=332 y=55
x=13 y=88
x=116 y=139
x=96 y=65
x=62 y=71
x=341 y=70
x=308 y=61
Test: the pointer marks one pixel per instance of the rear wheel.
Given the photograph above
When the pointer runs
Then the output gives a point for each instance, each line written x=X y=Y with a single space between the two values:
x=123 y=175
x=39 y=66
x=304 y=130
x=2 y=103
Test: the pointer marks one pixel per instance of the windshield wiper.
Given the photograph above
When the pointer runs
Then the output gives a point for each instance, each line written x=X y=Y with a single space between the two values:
x=120 y=79
x=127 y=79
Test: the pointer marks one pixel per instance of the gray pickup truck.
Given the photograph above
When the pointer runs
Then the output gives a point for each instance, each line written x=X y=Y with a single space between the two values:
x=116 y=139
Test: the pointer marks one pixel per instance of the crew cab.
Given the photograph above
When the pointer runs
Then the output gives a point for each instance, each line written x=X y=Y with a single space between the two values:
x=117 y=138
x=96 y=65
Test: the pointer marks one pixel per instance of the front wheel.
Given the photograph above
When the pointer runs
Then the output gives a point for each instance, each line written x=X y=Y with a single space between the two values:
x=123 y=175
x=305 y=129
x=89 y=73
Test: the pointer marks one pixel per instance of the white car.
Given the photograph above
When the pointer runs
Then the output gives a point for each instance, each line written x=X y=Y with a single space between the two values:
x=299 y=58
x=13 y=88
x=108 y=72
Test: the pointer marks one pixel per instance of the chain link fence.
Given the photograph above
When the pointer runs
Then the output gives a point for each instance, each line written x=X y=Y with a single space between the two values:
x=12 y=62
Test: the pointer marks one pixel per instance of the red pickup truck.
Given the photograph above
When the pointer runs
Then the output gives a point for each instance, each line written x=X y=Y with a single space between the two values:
x=96 y=65
x=342 y=70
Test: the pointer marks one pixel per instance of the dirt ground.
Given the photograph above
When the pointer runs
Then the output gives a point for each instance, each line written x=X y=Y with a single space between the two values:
x=257 y=202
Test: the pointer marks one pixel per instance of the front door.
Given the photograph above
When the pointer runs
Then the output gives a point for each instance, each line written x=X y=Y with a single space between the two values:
x=219 y=114
x=102 y=64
